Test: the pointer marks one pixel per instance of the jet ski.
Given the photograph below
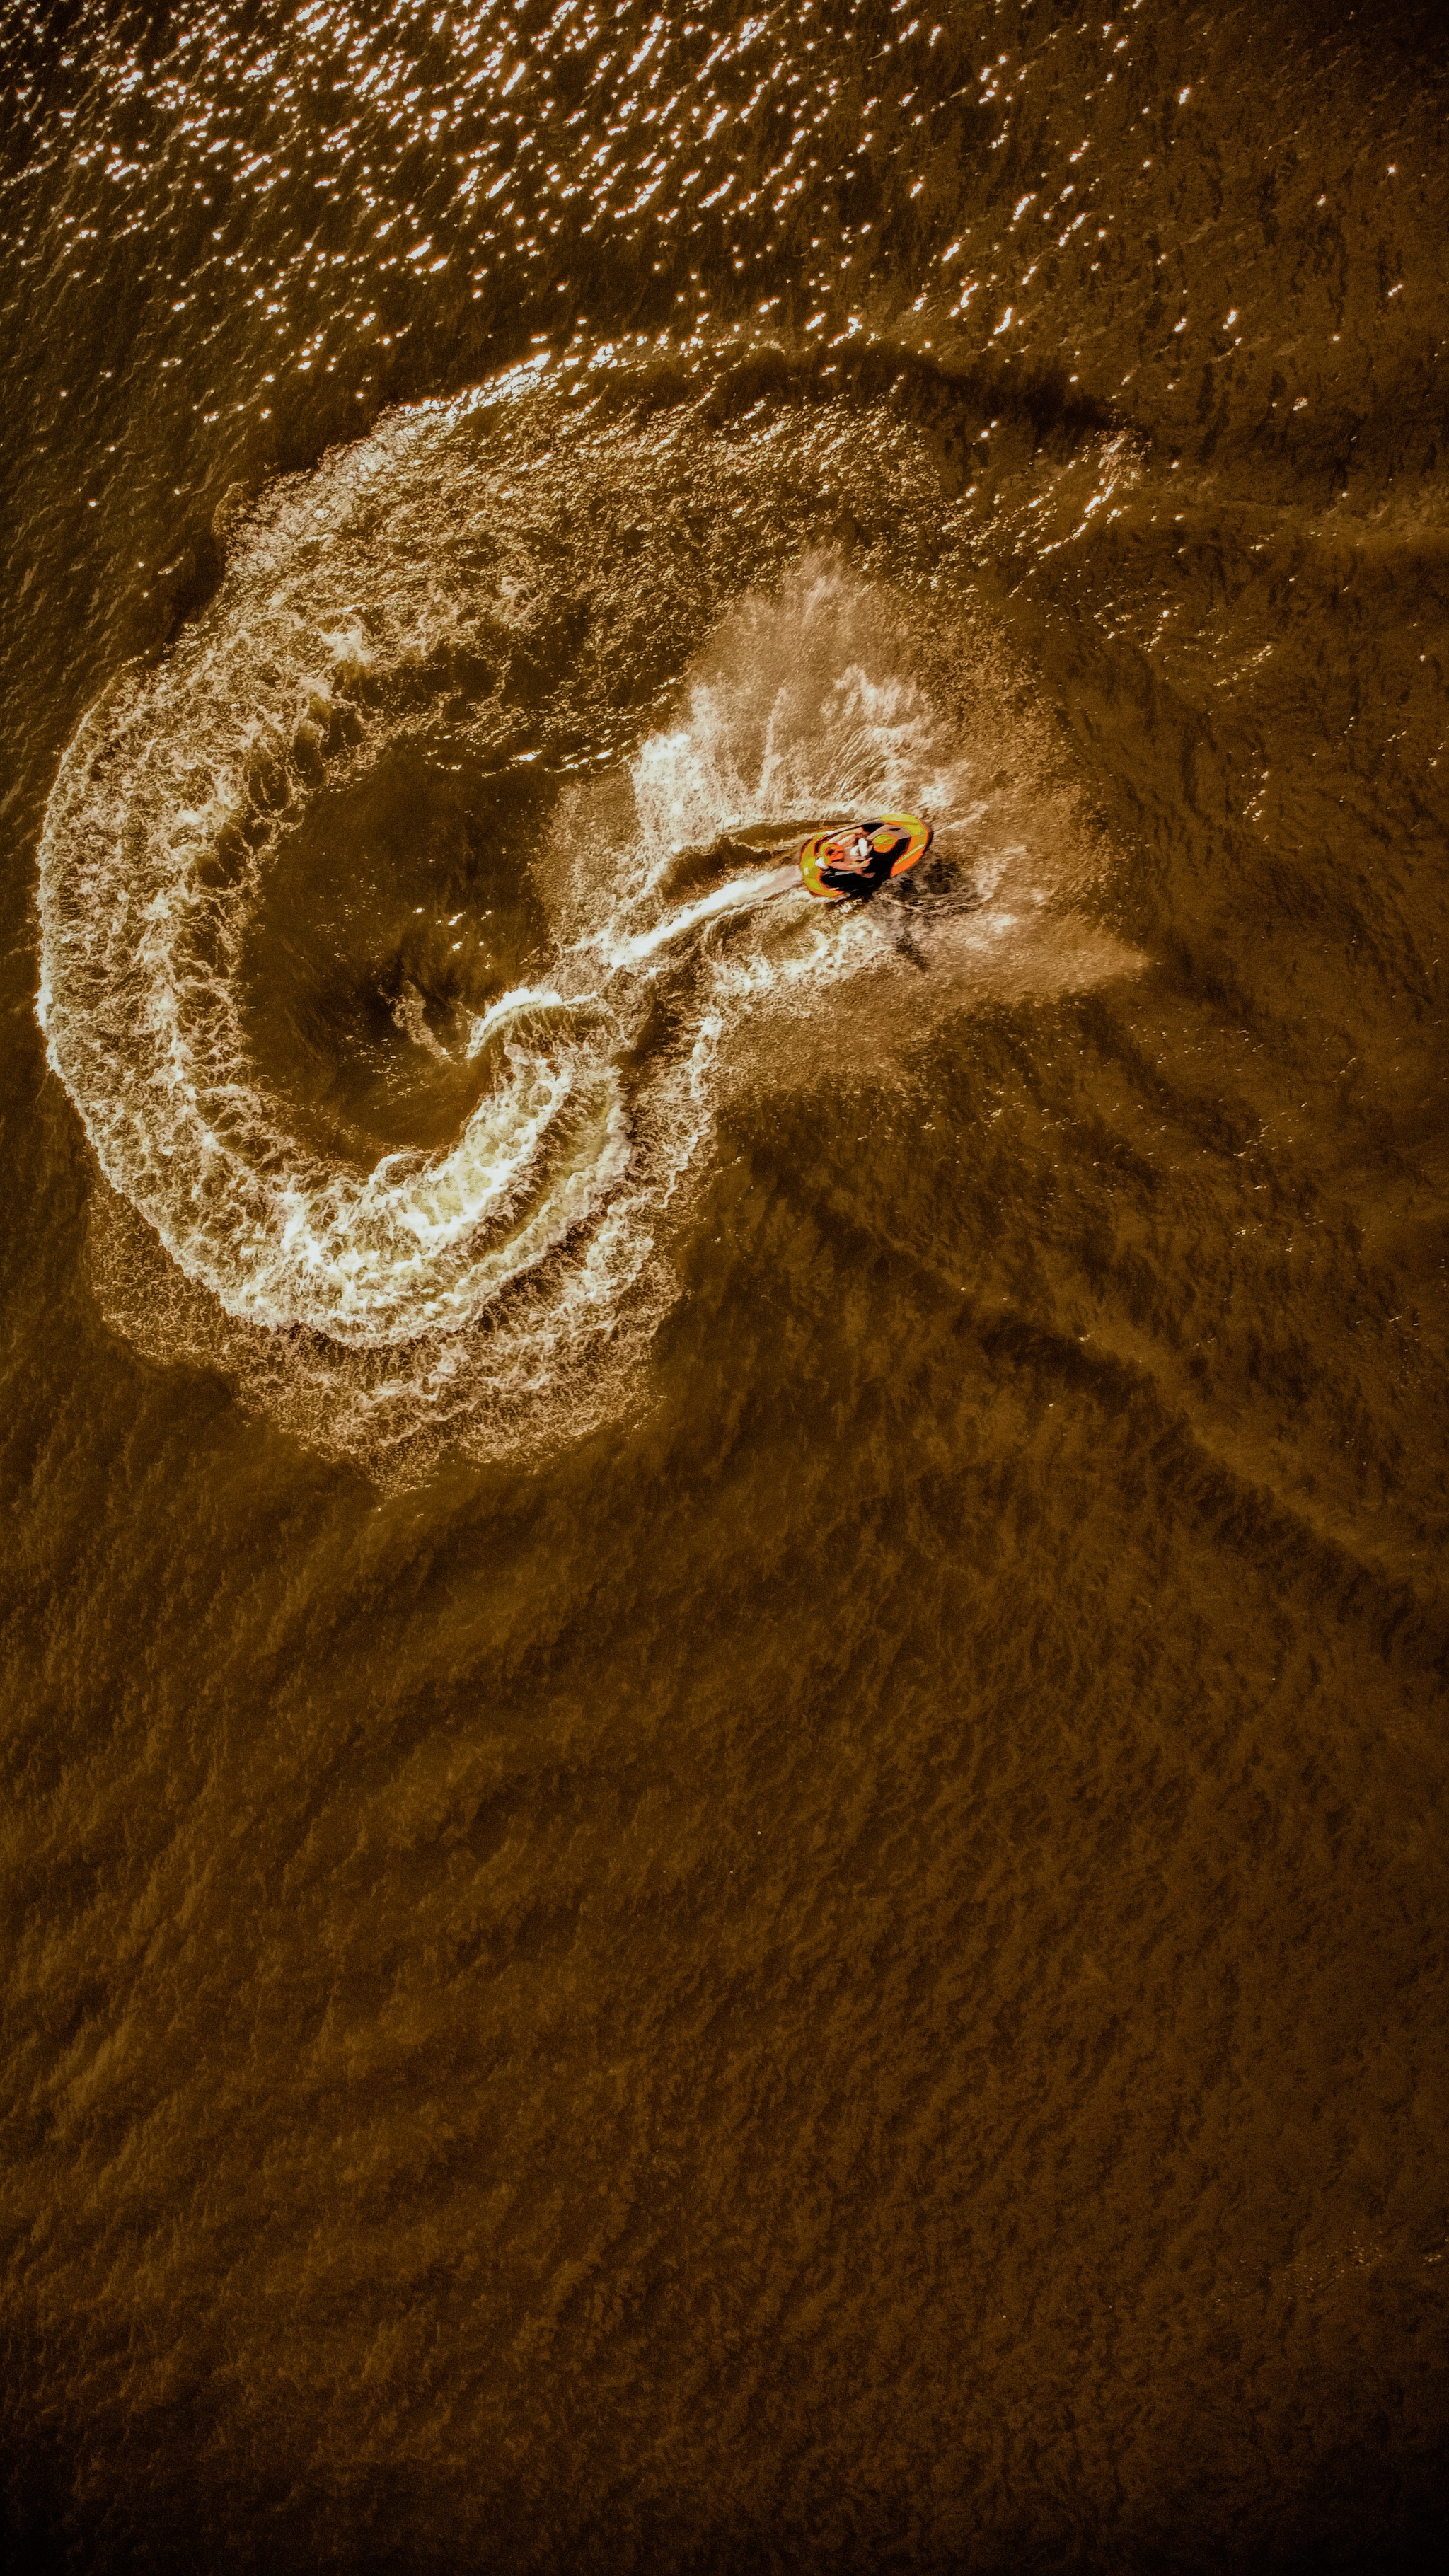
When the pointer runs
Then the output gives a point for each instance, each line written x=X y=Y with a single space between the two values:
x=850 y=863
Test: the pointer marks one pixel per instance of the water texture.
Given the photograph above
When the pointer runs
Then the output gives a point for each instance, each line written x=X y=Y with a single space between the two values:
x=723 y=1619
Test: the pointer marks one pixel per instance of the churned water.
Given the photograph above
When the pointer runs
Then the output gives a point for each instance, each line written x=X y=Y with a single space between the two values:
x=724 y=1628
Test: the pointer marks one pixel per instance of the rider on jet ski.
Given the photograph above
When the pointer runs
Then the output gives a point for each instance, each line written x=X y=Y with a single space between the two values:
x=856 y=862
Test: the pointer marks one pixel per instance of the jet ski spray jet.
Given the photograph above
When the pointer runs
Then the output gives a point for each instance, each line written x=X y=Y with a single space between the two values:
x=841 y=863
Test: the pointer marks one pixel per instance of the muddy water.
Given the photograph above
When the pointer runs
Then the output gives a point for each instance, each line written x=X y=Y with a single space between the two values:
x=724 y=1634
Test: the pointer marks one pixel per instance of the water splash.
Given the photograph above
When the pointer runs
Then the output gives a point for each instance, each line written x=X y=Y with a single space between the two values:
x=606 y=650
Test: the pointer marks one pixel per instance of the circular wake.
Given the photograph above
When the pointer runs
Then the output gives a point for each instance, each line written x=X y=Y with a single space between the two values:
x=392 y=929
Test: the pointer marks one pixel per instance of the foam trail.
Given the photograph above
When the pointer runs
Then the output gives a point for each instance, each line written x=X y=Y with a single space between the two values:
x=513 y=1006
x=741 y=894
x=458 y=1257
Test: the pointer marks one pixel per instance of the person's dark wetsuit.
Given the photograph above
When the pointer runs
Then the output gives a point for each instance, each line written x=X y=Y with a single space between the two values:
x=872 y=865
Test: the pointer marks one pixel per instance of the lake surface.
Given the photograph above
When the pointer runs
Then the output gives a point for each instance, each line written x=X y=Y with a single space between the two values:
x=724 y=1631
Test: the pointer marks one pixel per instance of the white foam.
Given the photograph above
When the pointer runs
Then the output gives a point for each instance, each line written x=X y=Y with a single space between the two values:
x=739 y=894
x=469 y=1284
x=513 y=1006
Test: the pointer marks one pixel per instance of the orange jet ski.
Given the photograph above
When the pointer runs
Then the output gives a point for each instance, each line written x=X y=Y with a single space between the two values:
x=850 y=862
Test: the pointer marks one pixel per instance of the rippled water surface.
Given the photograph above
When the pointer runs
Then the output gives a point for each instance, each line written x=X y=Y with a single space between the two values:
x=724 y=1626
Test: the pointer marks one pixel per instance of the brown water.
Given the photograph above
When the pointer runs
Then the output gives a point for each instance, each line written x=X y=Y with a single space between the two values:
x=724 y=1629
